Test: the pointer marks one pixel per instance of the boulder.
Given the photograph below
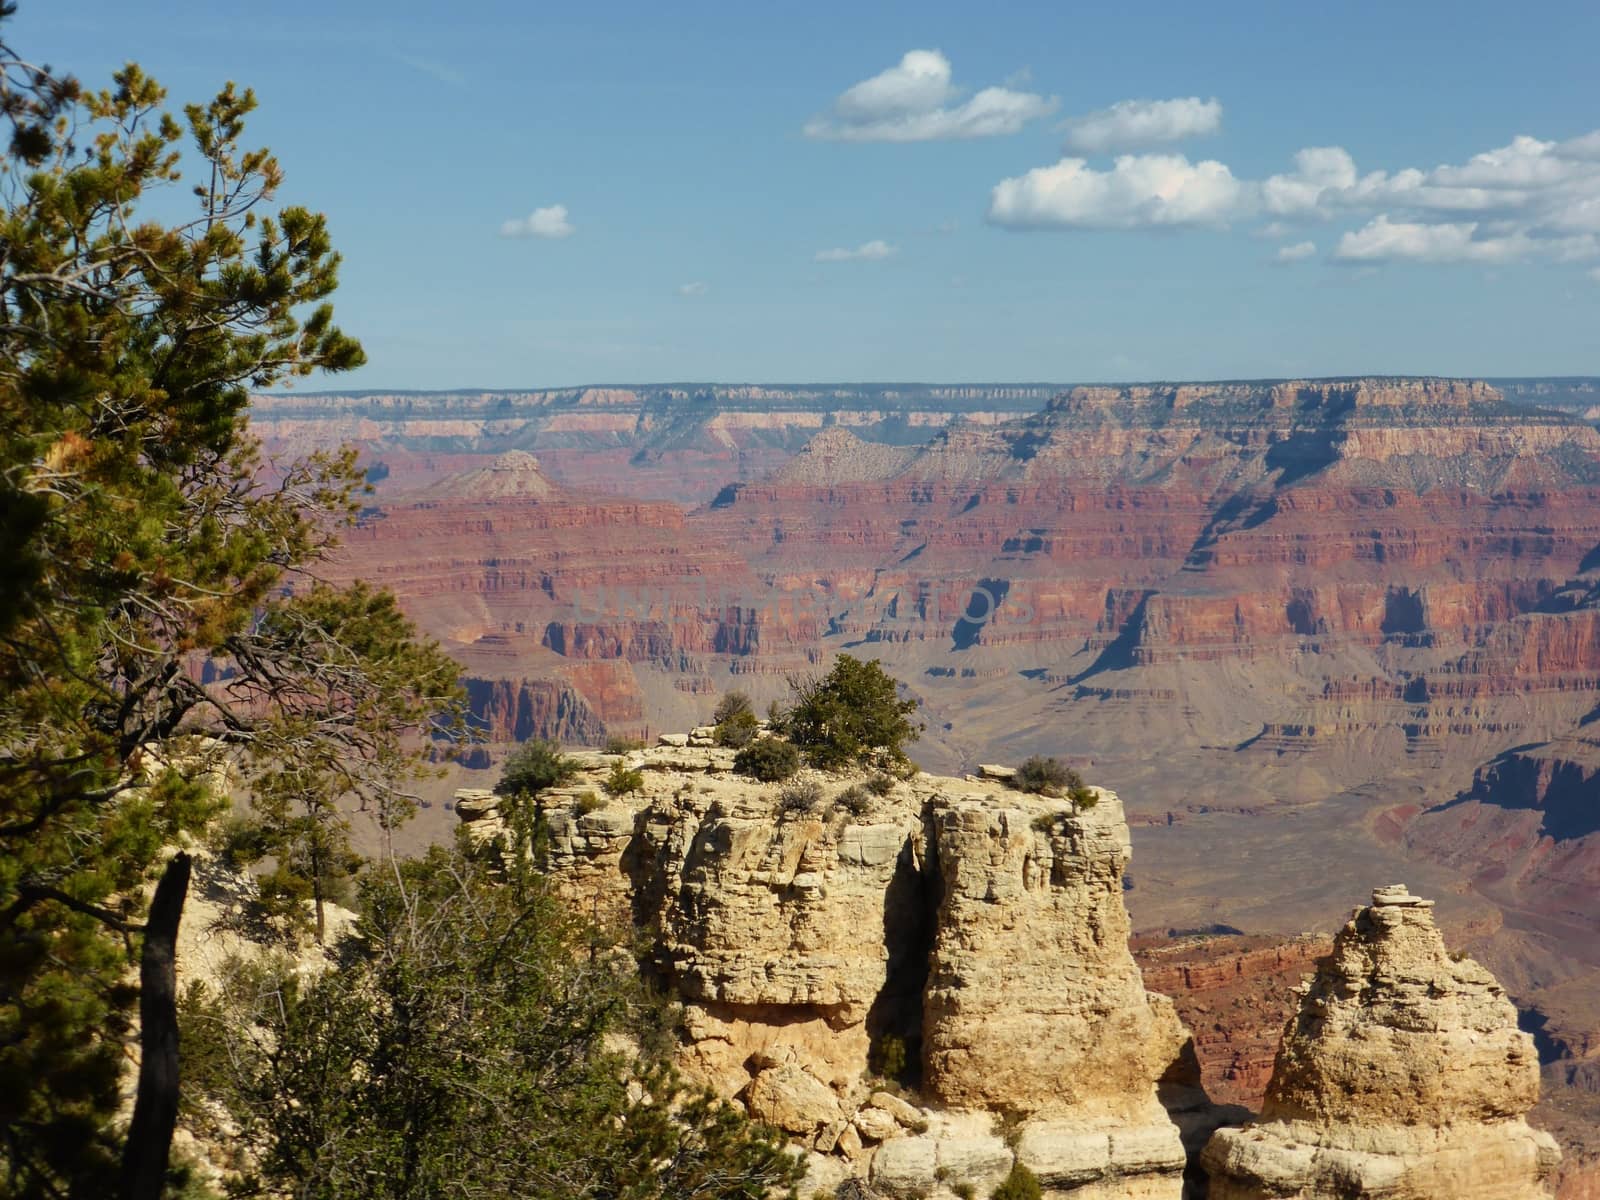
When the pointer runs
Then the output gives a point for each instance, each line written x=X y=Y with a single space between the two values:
x=791 y=1099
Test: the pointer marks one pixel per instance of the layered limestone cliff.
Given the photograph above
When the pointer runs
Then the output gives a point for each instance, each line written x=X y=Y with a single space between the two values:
x=1402 y=1076
x=921 y=987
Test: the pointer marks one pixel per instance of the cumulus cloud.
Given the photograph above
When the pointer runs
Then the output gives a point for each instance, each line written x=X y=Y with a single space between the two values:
x=1544 y=186
x=1529 y=200
x=1298 y=252
x=915 y=101
x=1140 y=191
x=1140 y=124
x=697 y=288
x=1383 y=240
x=866 y=252
x=548 y=222
x=1386 y=240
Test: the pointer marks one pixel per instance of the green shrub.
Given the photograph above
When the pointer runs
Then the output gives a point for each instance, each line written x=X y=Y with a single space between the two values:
x=621 y=781
x=589 y=801
x=1021 y=1184
x=965 y=1191
x=769 y=759
x=855 y=800
x=734 y=704
x=534 y=766
x=623 y=743
x=881 y=783
x=853 y=714
x=800 y=798
x=1046 y=777
x=737 y=730
x=887 y=1056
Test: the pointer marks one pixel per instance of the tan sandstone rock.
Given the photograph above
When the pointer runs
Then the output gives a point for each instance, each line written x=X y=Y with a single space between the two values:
x=797 y=940
x=1402 y=1076
x=789 y=1098
x=1034 y=1004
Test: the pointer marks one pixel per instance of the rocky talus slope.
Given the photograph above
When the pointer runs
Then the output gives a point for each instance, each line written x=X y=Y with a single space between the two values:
x=1402 y=1076
x=967 y=938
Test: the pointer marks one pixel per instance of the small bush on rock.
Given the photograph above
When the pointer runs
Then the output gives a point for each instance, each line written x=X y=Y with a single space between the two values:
x=881 y=783
x=769 y=759
x=1021 y=1184
x=732 y=705
x=887 y=1057
x=1051 y=777
x=621 y=781
x=1046 y=777
x=534 y=766
x=622 y=743
x=800 y=798
x=590 y=801
x=855 y=800
x=737 y=730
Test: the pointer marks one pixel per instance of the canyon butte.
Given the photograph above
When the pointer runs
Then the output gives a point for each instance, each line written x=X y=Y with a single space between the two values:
x=1318 y=633
x=927 y=986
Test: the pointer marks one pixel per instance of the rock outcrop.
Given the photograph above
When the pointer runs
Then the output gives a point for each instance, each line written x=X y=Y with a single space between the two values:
x=965 y=940
x=1402 y=1076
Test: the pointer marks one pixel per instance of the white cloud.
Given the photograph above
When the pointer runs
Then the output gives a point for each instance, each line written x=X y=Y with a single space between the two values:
x=1543 y=188
x=1298 y=252
x=1140 y=191
x=1140 y=124
x=697 y=288
x=1318 y=169
x=548 y=222
x=1383 y=240
x=915 y=101
x=1531 y=199
x=866 y=252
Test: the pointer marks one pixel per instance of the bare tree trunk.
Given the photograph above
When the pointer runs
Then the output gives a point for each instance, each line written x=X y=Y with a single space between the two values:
x=155 y=1111
x=316 y=885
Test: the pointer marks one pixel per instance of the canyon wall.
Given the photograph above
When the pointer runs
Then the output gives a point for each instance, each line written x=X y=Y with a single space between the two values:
x=1351 y=621
x=672 y=442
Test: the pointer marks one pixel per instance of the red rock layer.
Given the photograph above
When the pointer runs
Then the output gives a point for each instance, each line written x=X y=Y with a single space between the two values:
x=1234 y=994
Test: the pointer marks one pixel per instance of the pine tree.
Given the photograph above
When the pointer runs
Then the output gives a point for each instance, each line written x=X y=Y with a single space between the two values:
x=851 y=715
x=155 y=620
x=478 y=1039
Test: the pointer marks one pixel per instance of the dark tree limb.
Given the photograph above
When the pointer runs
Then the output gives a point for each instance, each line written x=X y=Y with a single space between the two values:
x=155 y=1111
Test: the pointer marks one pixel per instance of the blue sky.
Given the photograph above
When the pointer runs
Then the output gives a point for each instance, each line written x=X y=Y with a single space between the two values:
x=531 y=194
